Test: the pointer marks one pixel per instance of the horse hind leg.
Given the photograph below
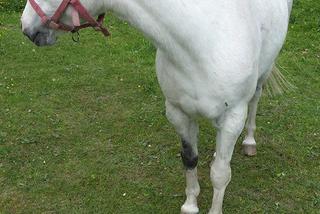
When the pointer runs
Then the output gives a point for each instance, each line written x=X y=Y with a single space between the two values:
x=188 y=129
x=249 y=144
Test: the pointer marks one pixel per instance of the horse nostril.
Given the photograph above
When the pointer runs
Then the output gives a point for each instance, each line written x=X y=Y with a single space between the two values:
x=31 y=36
x=27 y=34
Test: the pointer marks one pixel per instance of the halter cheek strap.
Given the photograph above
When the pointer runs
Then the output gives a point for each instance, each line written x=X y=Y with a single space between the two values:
x=79 y=11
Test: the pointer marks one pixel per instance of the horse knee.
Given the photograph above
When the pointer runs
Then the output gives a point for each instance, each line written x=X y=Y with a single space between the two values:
x=188 y=130
x=188 y=155
x=220 y=174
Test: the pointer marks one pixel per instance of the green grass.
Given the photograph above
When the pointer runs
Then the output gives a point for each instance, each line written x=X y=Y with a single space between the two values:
x=83 y=129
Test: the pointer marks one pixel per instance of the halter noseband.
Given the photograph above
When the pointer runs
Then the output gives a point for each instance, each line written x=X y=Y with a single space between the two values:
x=79 y=11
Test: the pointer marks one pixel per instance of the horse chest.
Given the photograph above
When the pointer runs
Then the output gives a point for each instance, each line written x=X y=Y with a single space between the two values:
x=196 y=92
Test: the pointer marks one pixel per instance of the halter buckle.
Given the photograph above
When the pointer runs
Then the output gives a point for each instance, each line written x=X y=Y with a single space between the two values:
x=75 y=36
x=53 y=25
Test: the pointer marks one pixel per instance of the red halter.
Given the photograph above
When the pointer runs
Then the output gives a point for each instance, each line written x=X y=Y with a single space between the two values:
x=79 y=11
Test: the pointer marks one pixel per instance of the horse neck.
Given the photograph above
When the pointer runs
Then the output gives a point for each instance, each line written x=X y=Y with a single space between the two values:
x=149 y=16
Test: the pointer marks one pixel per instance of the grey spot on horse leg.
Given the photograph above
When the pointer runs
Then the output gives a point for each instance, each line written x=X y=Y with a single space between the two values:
x=189 y=158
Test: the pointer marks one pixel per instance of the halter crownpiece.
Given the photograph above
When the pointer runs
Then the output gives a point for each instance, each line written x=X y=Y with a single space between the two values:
x=79 y=11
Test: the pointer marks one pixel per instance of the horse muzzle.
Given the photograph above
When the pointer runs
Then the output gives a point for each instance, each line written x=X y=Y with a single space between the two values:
x=40 y=38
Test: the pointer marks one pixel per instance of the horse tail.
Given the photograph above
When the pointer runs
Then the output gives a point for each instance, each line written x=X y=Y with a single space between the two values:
x=277 y=83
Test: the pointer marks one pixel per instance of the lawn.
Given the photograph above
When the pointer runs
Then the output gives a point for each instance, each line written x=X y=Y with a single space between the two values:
x=83 y=128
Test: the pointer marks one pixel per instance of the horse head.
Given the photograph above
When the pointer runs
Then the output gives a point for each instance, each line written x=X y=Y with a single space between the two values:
x=42 y=21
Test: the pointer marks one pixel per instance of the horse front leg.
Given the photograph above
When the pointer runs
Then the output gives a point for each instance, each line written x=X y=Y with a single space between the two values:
x=229 y=127
x=188 y=130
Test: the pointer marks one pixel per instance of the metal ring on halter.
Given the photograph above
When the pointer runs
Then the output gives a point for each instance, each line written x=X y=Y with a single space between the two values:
x=76 y=36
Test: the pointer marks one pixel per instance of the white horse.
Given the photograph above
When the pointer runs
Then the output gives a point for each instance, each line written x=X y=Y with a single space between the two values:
x=213 y=56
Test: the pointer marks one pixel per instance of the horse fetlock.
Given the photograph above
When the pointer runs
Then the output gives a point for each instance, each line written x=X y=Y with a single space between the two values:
x=193 y=191
x=249 y=147
x=189 y=208
x=249 y=141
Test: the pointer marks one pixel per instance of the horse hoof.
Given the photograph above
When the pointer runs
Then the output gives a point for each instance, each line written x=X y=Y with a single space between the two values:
x=249 y=150
x=189 y=209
